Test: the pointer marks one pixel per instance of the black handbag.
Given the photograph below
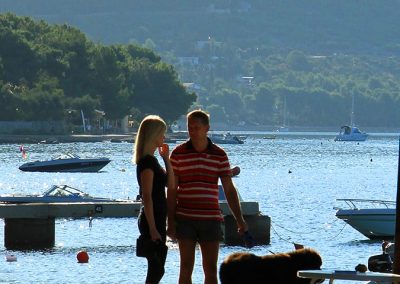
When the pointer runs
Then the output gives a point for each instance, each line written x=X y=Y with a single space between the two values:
x=145 y=247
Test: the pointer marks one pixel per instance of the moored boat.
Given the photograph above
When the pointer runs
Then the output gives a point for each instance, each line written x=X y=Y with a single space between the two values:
x=56 y=193
x=375 y=219
x=351 y=133
x=270 y=137
x=226 y=139
x=66 y=163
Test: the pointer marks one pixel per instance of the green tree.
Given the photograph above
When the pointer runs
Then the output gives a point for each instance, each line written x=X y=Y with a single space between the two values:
x=297 y=61
x=217 y=113
x=9 y=102
x=16 y=55
x=264 y=105
x=158 y=91
x=109 y=82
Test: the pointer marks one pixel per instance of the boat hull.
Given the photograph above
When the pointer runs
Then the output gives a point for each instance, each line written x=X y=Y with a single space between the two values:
x=372 y=223
x=351 y=133
x=225 y=141
x=359 y=137
x=41 y=199
x=56 y=194
x=226 y=138
x=66 y=165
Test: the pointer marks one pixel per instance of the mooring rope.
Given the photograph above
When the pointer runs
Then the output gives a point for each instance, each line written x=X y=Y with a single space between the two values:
x=302 y=233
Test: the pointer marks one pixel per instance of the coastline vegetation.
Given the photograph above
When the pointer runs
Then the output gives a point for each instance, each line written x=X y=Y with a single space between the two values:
x=53 y=72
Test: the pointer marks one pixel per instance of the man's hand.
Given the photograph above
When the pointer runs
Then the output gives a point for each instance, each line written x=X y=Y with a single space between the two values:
x=242 y=226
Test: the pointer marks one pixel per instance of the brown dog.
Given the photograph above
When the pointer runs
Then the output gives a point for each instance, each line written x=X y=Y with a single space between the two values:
x=242 y=267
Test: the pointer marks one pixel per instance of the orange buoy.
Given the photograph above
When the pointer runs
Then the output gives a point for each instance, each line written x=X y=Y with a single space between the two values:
x=82 y=257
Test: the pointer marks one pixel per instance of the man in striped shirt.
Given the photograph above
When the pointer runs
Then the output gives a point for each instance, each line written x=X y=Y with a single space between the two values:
x=194 y=215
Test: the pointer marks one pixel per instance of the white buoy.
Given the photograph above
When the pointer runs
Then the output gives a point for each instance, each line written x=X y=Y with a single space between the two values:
x=11 y=258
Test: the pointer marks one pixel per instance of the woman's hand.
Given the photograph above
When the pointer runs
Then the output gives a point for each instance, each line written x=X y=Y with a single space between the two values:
x=164 y=151
x=155 y=235
x=171 y=232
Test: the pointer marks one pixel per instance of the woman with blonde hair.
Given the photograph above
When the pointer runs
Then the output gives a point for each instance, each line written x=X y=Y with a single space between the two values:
x=152 y=180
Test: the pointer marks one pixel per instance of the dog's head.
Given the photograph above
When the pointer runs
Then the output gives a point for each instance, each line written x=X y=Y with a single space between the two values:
x=306 y=259
x=236 y=266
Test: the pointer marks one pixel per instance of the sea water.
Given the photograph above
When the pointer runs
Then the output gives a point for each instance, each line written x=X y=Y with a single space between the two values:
x=295 y=178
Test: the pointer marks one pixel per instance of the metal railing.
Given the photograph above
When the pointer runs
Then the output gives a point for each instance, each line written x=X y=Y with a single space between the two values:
x=355 y=203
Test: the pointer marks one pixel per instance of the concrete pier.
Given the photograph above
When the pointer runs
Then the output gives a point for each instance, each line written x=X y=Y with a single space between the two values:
x=32 y=225
x=70 y=210
x=259 y=228
x=29 y=233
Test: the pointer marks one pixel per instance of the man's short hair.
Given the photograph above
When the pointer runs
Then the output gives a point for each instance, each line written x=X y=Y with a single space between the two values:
x=199 y=115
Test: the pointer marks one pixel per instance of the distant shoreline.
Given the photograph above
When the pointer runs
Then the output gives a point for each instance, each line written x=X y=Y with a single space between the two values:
x=129 y=137
x=52 y=139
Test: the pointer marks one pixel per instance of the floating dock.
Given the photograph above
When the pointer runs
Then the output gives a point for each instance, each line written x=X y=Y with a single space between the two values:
x=32 y=225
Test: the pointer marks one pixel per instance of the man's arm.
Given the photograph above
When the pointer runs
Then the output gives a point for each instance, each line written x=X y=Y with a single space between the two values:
x=233 y=202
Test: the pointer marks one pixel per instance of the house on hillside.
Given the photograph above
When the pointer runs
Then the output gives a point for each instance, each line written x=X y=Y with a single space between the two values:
x=192 y=86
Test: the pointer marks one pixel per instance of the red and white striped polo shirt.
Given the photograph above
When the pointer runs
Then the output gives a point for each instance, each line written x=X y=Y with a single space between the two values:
x=197 y=193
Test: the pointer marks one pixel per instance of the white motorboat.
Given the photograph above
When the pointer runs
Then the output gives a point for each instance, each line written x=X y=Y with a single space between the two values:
x=56 y=193
x=66 y=163
x=226 y=138
x=351 y=133
x=375 y=219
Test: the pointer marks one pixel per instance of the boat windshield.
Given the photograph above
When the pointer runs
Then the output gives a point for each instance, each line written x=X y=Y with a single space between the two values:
x=347 y=130
x=64 y=190
x=68 y=156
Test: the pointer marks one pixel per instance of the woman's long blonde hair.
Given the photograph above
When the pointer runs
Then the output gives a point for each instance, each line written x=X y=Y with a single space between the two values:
x=150 y=128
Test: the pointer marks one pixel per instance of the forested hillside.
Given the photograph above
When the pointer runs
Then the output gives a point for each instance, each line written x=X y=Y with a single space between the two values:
x=247 y=57
x=53 y=72
x=368 y=27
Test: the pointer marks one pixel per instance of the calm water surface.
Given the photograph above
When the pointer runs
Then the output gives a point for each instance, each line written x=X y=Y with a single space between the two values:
x=299 y=203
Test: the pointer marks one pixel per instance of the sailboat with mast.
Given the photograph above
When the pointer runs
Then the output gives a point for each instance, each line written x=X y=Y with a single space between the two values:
x=351 y=132
x=284 y=127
